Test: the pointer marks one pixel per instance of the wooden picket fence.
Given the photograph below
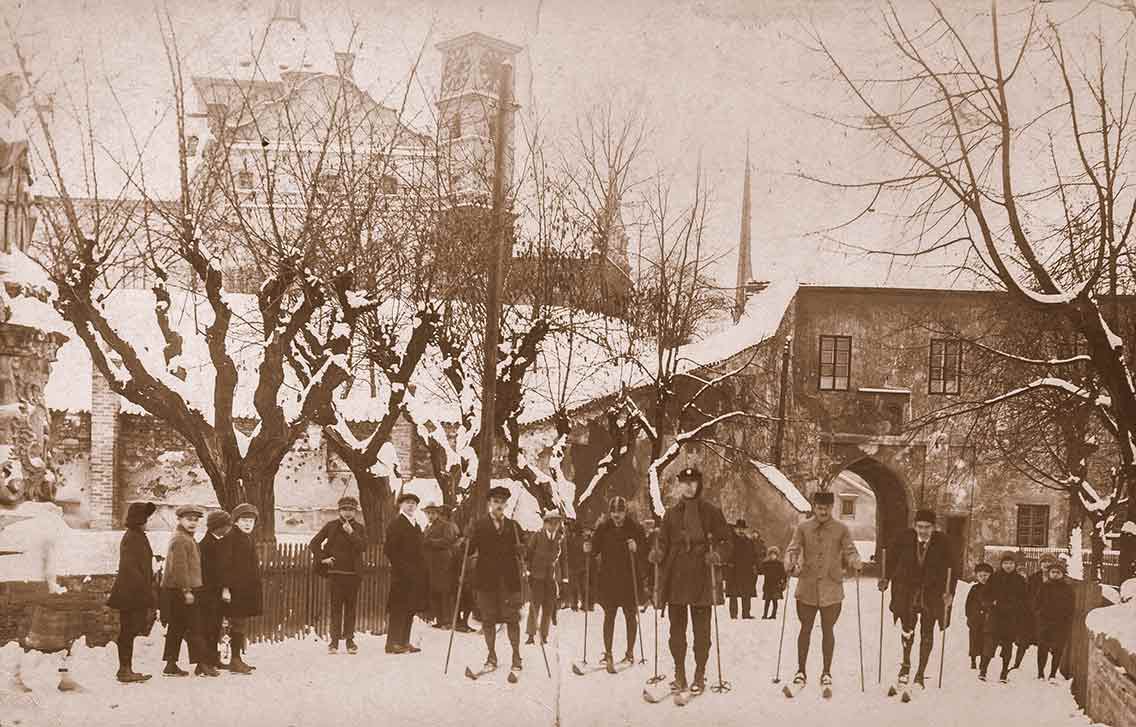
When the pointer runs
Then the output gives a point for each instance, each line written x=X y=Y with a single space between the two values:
x=296 y=600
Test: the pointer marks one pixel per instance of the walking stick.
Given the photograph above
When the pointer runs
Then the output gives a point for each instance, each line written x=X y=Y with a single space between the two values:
x=946 y=622
x=883 y=574
x=587 y=599
x=859 y=632
x=781 y=641
x=457 y=606
x=638 y=623
x=656 y=677
x=722 y=685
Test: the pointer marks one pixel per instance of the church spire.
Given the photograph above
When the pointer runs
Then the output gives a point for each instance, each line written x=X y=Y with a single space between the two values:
x=745 y=264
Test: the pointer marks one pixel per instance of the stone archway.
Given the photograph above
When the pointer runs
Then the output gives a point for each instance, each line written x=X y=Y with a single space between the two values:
x=893 y=502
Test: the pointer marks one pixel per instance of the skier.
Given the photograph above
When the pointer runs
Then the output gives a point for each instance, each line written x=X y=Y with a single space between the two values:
x=978 y=608
x=1055 y=605
x=741 y=573
x=618 y=539
x=409 y=590
x=816 y=555
x=181 y=589
x=693 y=537
x=216 y=571
x=543 y=555
x=132 y=594
x=1009 y=594
x=439 y=540
x=496 y=578
x=246 y=598
x=918 y=565
x=338 y=550
x=773 y=582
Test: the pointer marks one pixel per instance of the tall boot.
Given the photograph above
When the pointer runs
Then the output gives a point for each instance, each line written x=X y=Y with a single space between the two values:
x=680 y=675
x=126 y=673
x=237 y=664
x=907 y=639
x=926 y=646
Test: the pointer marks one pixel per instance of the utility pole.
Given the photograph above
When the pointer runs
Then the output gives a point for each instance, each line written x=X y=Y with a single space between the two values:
x=779 y=445
x=497 y=247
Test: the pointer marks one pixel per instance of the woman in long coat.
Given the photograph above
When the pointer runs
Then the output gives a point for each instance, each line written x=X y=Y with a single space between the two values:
x=133 y=592
x=741 y=573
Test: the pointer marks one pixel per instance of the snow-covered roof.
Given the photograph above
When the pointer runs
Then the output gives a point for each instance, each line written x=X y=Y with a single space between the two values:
x=784 y=485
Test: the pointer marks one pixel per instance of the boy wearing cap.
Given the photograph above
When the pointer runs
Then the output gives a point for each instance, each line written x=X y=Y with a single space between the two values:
x=1055 y=606
x=979 y=605
x=216 y=566
x=181 y=588
x=543 y=557
x=495 y=540
x=694 y=538
x=741 y=572
x=409 y=591
x=245 y=596
x=1028 y=628
x=617 y=540
x=919 y=563
x=1010 y=596
x=440 y=541
x=817 y=554
x=132 y=594
x=338 y=549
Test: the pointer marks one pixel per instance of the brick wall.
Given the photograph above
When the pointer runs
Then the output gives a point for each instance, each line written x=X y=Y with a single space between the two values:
x=101 y=499
x=1111 y=682
x=17 y=599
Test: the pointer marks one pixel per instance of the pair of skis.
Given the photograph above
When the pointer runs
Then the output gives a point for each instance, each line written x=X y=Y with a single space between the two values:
x=902 y=688
x=513 y=677
x=792 y=690
x=680 y=697
x=580 y=669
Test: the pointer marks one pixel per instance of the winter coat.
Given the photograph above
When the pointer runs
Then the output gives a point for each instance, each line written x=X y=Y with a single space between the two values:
x=182 y=569
x=440 y=541
x=822 y=550
x=1055 y=605
x=133 y=587
x=741 y=571
x=409 y=585
x=543 y=556
x=684 y=578
x=919 y=586
x=216 y=562
x=980 y=607
x=333 y=542
x=574 y=556
x=613 y=560
x=773 y=579
x=1010 y=595
x=245 y=585
x=496 y=551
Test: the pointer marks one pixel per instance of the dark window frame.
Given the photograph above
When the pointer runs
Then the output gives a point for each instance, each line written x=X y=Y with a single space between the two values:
x=847 y=507
x=933 y=360
x=836 y=340
x=1034 y=532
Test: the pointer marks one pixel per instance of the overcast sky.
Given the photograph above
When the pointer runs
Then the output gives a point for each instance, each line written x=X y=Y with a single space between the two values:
x=710 y=72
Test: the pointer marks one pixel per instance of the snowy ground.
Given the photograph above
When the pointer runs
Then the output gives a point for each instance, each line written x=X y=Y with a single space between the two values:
x=298 y=684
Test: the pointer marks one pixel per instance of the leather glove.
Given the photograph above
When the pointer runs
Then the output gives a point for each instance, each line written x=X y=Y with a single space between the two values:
x=189 y=598
x=883 y=584
x=632 y=545
x=587 y=546
x=655 y=557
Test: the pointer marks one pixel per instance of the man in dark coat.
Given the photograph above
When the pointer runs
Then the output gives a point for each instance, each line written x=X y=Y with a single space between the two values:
x=496 y=541
x=409 y=590
x=919 y=564
x=1009 y=595
x=693 y=540
x=132 y=594
x=338 y=549
x=216 y=577
x=544 y=555
x=1055 y=606
x=741 y=572
x=246 y=599
x=618 y=540
x=440 y=541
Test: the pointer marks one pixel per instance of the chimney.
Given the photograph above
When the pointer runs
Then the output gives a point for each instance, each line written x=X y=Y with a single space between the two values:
x=345 y=65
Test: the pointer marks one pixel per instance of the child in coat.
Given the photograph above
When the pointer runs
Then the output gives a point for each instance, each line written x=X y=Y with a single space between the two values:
x=1010 y=596
x=773 y=582
x=133 y=592
x=978 y=609
x=181 y=589
x=1055 y=606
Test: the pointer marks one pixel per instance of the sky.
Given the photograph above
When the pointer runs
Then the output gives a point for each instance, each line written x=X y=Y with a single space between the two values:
x=711 y=74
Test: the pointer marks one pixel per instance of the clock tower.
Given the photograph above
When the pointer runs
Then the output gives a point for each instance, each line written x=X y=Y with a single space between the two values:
x=467 y=108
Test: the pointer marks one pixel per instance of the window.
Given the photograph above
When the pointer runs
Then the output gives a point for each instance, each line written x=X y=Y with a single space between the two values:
x=388 y=184
x=1033 y=526
x=945 y=365
x=456 y=126
x=835 y=362
x=848 y=507
x=244 y=179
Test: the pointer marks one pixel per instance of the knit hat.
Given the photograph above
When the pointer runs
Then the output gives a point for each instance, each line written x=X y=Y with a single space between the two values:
x=218 y=519
x=983 y=568
x=245 y=510
x=1057 y=565
x=1046 y=558
x=1008 y=556
x=924 y=515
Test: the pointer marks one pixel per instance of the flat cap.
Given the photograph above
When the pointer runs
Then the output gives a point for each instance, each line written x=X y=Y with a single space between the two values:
x=190 y=511
x=348 y=503
x=823 y=497
x=499 y=492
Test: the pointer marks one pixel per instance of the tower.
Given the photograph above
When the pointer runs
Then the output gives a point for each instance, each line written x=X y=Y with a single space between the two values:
x=745 y=264
x=467 y=107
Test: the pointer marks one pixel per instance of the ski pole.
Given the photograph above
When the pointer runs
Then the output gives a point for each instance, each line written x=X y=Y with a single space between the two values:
x=781 y=641
x=883 y=574
x=521 y=572
x=656 y=677
x=722 y=685
x=587 y=599
x=635 y=590
x=859 y=632
x=946 y=623
x=457 y=606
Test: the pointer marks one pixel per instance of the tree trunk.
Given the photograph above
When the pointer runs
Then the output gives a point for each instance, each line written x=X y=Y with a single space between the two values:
x=374 y=500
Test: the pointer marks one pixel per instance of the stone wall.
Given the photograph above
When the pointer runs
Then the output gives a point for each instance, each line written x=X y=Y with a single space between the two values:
x=1111 y=682
x=86 y=593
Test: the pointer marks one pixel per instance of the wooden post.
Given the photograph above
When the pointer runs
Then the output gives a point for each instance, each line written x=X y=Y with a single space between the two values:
x=779 y=445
